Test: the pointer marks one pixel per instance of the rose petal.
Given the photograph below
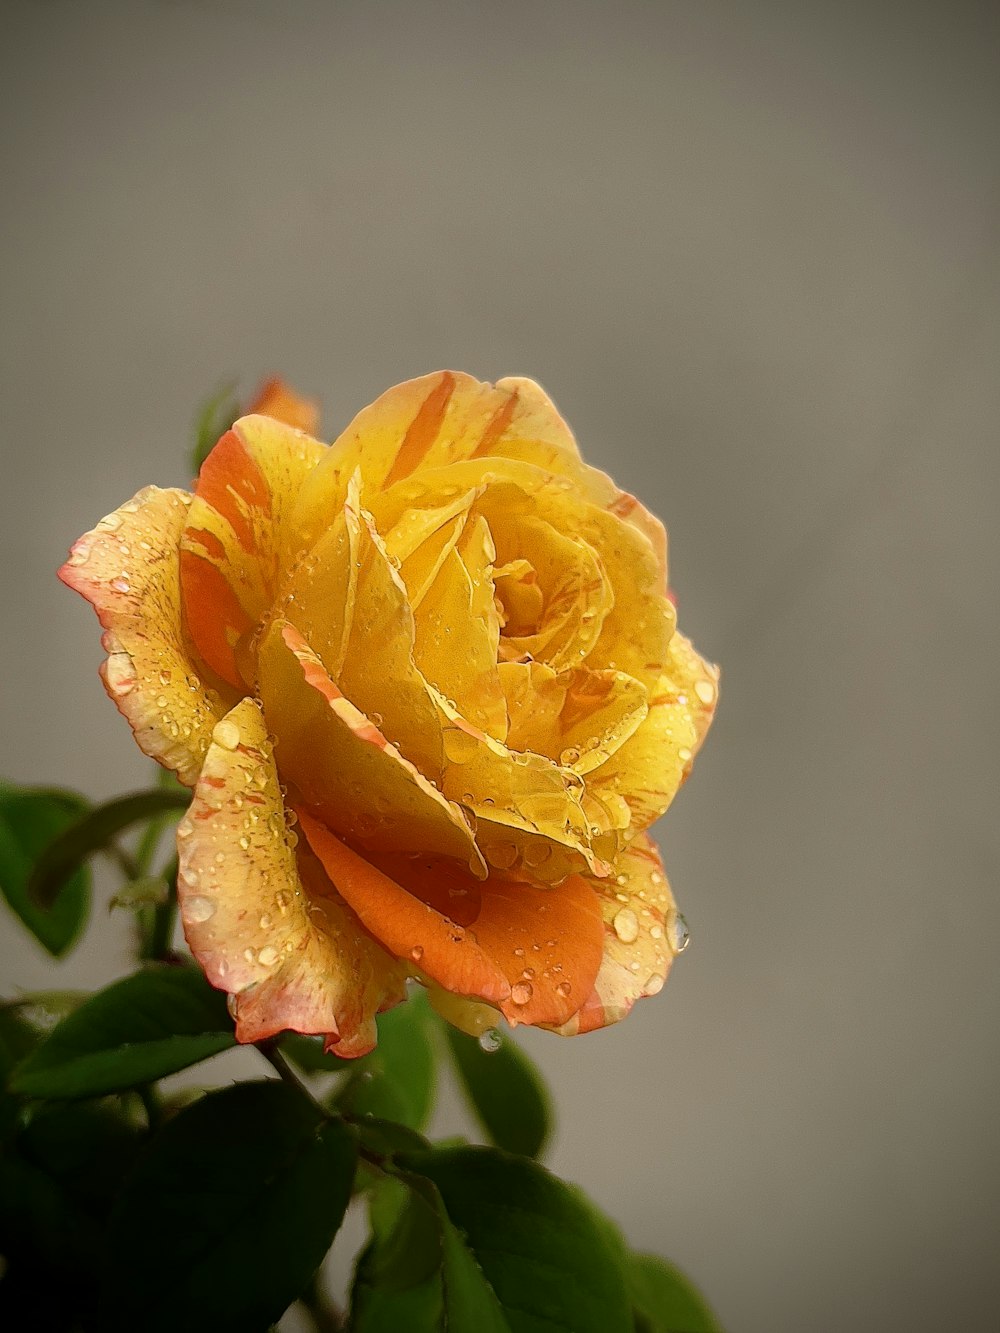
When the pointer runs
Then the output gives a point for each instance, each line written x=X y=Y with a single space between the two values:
x=281 y=942
x=649 y=769
x=239 y=534
x=127 y=568
x=531 y=950
x=352 y=777
x=640 y=921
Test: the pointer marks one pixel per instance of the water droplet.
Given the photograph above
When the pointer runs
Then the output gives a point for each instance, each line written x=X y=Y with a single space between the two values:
x=537 y=853
x=111 y=523
x=282 y=900
x=569 y=756
x=185 y=828
x=654 y=984
x=705 y=691
x=265 y=921
x=268 y=956
x=199 y=909
x=121 y=583
x=528 y=973
x=164 y=677
x=232 y=1001
x=245 y=843
x=189 y=876
x=490 y=1041
x=521 y=993
x=417 y=952
x=626 y=925
x=502 y=855
x=249 y=955
x=219 y=858
x=684 y=754
x=80 y=554
x=226 y=734
x=678 y=935
x=563 y=989
x=656 y=932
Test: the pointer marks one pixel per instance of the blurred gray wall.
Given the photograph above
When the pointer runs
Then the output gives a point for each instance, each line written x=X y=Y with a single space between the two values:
x=752 y=251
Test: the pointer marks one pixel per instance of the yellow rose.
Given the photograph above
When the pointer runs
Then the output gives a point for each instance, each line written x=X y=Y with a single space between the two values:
x=427 y=688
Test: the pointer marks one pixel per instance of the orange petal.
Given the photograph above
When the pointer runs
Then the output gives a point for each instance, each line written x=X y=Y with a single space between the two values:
x=272 y=933
x=275 y=398
x=531 y=950
x=354 y=779
x=239 y=535
x=127 y=568
x=642 y=934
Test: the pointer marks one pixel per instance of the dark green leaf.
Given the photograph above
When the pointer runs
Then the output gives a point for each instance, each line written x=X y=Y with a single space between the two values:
x=229 y=1213
x=85 y=1147
x=397 y=1283
x=396 y=1082
x=29 y=819
x=665 y=1300
x=27 y=1021
x=505 y=1091
x=519 y=1250
x=140 y=1029
x=214 y=419
x=93 y=832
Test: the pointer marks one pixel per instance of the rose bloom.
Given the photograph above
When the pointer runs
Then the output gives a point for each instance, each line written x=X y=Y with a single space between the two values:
x=426 y=686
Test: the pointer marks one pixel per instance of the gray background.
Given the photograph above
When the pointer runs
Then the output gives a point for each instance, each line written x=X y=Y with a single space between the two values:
x=752 y=252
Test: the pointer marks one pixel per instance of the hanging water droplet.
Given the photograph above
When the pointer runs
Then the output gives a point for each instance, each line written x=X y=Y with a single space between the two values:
x=521 y=993
x=678 y=935
x=626 y=925
x=199 y=909
x=490 y=1041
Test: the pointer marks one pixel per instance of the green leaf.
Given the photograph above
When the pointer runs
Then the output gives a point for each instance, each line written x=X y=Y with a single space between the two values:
x=397 y=1081
x=85 y=1147
x=229 y=1213
x=29 y=820
x=397 y=1282
x=140 y=1029
x=28 y=1020
x=214 y=419
x=506 y=1092
x=519 y=1250
x=665 y=1300
x=93 y=832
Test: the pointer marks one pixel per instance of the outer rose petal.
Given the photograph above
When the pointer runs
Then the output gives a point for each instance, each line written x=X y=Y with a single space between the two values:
x=290 y=952
x=649 y=769
x=530 y=950
x=641 y=926
x=127 y=568
x=239 y=535
x=344 y=767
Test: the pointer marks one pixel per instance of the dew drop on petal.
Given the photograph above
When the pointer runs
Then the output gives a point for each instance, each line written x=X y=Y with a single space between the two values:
x=268 y=956
x=705 y=691
x=190 y=876
x=80 y=554
x=502 y=855
x=121 y=584
x=199 y=909
x=563 y=989
x=249 y=955
x=265 y=921
x=417 y=952
x=654 y=984
x=656 y=932
x=626 y=925
x=490 y=1041
x=678 y=935
x=569 y=756
x=521 y=993
x=227 y=734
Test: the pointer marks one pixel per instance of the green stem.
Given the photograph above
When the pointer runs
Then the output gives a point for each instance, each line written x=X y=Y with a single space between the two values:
x=151 y=1105
x=269 y=1050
